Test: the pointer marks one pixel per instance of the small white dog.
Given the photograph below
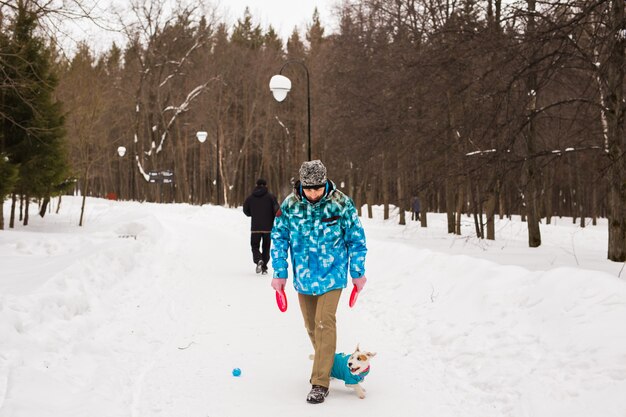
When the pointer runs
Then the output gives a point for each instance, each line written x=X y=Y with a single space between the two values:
x=352 y=369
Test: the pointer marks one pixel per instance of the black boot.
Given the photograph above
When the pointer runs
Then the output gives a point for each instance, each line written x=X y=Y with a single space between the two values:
x=317 y=394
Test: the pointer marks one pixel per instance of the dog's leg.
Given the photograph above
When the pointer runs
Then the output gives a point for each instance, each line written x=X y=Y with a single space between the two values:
x=358 y=388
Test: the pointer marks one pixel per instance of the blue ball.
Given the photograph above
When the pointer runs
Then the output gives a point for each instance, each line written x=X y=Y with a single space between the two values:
x=236 y=372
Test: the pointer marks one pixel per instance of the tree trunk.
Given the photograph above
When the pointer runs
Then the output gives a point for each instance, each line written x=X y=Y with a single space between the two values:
x=548 y=195
x=573 y=198
x=594 y=207
x=501 y=206
x=532 y=171
x=44 y=206
x=581 y=206
x=459 y=210
x=82 y=206
x=401 y=199
x=26 y=206
x=451 y=171
x=221 y=189
x=351 y=182
x=450 y=204
x=385 y=190
x=490 y=210
x=370 y=201
x=358 y=200
x=12 y=216
x=615 y=121
x=479 y=210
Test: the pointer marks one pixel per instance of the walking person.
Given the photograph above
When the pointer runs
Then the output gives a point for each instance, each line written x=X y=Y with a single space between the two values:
x=415 y=208
x=320 y=227
x=262 y=206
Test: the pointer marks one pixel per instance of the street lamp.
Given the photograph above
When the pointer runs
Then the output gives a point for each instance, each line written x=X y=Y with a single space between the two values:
x=202 y=135
x=121 y=151
x=281 y=85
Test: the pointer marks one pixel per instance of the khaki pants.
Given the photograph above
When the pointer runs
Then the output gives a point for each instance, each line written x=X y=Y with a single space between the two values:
x=319 y=312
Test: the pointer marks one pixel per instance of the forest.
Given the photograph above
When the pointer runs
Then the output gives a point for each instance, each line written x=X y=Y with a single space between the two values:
x=478 y=108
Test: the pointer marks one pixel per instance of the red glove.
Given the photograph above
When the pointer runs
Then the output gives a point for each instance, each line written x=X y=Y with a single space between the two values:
x=359 y=282
x=278 y=283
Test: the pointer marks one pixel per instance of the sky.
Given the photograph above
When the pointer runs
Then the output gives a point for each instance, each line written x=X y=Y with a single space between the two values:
x=147 y=309
x=283 y=15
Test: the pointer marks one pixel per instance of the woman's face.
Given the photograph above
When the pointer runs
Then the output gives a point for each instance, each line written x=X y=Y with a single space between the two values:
x=314 y=194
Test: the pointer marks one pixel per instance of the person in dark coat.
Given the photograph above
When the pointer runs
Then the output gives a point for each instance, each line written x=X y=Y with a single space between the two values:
x=415 y=209
x=262 y=206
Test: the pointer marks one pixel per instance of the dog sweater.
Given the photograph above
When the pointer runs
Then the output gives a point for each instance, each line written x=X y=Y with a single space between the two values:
x=341 y=370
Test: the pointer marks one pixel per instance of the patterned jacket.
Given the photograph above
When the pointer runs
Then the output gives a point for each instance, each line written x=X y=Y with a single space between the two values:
x=323 y=239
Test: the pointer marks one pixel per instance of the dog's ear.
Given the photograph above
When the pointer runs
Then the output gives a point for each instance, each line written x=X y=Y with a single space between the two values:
x=357 y=348
x=370 y=354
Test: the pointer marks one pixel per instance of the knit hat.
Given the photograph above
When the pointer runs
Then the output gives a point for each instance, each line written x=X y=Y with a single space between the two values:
x=313 y=174
x=261 y=182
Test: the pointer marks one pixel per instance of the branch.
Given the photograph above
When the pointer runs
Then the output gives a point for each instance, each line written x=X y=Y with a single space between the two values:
x=557 y=152
x=179 y=64
x=569 y=101
x=183 y=107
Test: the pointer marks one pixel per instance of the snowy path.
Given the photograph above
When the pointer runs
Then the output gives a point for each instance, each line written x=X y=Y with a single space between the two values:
x=146 y=311
x=215 y=327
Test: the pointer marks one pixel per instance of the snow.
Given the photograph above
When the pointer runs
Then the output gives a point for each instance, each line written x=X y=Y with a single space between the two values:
x=147 y=309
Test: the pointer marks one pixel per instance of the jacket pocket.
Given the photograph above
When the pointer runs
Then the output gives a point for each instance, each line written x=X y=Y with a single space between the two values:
x=333 y=233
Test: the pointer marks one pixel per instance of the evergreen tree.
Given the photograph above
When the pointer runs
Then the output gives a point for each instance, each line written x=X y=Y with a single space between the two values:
x=315 y=33
x=271 y=41
x=34 y=132
x=295 y=47
x=246 y=34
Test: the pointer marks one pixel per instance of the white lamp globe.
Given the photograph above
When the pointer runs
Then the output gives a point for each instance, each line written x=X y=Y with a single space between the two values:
x=202 y=135
x=280 y=86
x=121 y=151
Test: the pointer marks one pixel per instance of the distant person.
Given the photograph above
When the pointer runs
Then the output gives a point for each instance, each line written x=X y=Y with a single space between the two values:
x=415 y=208
x=320 y=226
x=262 y=206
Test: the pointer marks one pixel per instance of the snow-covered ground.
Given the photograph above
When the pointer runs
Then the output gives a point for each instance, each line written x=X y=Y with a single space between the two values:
x=147 y=309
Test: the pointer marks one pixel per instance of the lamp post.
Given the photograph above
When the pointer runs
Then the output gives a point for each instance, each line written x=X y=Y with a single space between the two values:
x=121 y=151
x=202 y=135
x=281 y=85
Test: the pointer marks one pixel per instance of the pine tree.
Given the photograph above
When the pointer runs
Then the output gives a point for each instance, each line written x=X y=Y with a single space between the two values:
x=271 y=40
x=8 y=171
x=246 y=34
x=315 y=33
x=34 y=131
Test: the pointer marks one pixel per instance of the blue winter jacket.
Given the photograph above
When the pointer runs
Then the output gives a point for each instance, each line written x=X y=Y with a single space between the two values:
x=323 y=239
x=341 y=370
